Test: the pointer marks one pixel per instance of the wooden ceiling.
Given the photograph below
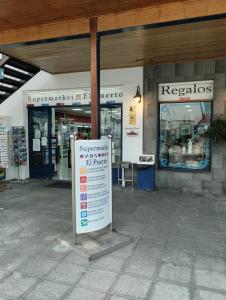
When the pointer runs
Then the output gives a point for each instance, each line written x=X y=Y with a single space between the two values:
x=24 y=13
x=179 y=43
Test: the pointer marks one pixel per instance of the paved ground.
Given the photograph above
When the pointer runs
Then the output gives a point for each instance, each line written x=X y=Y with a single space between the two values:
x=179 y=249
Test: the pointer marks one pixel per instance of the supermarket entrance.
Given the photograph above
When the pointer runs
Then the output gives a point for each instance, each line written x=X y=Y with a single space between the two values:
x=49 y=136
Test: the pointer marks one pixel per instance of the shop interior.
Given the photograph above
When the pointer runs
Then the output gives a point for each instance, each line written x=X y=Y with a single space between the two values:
x=50 y=132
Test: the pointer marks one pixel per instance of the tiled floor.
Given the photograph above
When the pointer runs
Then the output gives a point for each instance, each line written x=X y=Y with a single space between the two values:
x=178 y=252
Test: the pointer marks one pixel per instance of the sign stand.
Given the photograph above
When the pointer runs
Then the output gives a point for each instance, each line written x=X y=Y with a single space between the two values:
x=92 y=199
x=72 y=144
x=75 y=186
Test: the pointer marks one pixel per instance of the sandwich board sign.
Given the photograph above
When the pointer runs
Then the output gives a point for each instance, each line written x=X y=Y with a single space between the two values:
x=91 y=185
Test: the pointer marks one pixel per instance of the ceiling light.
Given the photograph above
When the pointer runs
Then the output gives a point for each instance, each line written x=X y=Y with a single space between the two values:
x=17 y=69
x=8 y=85
x=13 y=78
x=77 y=109
x=187 y=106
x=189 y=110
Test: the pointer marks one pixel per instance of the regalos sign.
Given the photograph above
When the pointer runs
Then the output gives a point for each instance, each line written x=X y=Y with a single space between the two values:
x=186 y=91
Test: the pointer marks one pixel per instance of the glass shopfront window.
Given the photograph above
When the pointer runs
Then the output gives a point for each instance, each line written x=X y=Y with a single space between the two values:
x=182 y=144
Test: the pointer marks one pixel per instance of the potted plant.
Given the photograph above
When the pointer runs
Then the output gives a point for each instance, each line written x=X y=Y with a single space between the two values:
x=217 y=131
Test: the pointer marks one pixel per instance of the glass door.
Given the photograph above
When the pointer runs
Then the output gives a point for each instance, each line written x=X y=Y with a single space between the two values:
x=40 y=152
x=111 y=123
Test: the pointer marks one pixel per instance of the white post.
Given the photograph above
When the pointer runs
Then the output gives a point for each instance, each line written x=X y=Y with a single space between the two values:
x=72 y=141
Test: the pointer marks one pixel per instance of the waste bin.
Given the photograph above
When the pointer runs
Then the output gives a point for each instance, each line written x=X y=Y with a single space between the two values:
x=146 y=177
x=116 y=174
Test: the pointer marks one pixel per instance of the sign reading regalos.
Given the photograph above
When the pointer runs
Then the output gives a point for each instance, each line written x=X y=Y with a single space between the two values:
x=93 y=187
x=82 y=96
x=186 y=91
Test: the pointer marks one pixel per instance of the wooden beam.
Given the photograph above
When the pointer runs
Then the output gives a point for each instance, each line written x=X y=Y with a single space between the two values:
x=95 y=79
x=171 y=11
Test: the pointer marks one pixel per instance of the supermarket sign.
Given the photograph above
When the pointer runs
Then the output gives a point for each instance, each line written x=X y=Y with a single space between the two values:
x=186 y=91
x=72 y=97
x=92 y=185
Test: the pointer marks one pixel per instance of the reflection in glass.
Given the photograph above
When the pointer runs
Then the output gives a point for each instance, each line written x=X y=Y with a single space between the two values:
x=40 y=150
x=111 y=123
x=181 y=136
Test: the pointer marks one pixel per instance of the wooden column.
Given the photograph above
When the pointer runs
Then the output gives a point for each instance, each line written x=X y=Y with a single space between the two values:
x=95 y=80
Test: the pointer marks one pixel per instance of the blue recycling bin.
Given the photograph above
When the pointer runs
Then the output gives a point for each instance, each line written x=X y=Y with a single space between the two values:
x=146 y=177
x=115 y=174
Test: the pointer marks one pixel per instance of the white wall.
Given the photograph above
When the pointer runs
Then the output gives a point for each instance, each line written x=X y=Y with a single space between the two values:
x=14 y=106
x=132 y=145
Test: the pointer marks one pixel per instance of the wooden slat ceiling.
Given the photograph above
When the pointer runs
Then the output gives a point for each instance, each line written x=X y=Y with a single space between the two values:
x=196 y=41
x=24 y=13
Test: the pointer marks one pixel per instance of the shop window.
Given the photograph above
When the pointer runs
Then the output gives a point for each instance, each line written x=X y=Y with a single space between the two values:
x=182 y=144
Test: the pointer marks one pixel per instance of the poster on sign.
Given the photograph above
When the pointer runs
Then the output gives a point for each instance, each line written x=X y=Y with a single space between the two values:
x=92 y=185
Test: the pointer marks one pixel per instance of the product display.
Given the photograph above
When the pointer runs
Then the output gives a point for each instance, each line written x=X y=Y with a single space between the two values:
x=19 y=146
x=111 y=125
x=182 y=144
x=4 y=157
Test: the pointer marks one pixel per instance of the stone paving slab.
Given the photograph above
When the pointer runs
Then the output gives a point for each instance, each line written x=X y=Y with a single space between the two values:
x=47 y=290
x=85 y=294
x=130 y=286
x=209 y=295
x=169 y=291
x=97 y=246
x=16 y=285
x=178 y=250
x=66 y=273
x=98 y=280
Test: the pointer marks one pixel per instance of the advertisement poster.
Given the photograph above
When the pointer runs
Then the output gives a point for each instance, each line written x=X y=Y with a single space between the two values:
x=36 y=145
x=133 y=115
x=132 y=131
x=93 y=185
x=19 y=145
x=44 y=141
x=4 y=159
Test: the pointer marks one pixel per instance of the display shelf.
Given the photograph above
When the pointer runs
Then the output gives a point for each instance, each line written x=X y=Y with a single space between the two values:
x=19 y=146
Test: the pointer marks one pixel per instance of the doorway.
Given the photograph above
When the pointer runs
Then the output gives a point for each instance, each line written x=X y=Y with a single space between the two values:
x=49 y=136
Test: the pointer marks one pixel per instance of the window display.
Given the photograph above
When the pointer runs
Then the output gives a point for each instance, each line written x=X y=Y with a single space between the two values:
x=182 y=144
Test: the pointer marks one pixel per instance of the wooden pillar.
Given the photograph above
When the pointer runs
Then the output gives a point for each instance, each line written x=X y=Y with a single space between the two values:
x=95 y=80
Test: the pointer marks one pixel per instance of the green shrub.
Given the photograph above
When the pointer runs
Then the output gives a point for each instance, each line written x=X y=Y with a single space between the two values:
x=217 y=131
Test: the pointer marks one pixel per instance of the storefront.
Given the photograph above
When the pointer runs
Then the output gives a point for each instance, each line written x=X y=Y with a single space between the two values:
x=61 y=103
x=55 y=115
x=180 y=101
x=185 y=113
x=178 y=104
